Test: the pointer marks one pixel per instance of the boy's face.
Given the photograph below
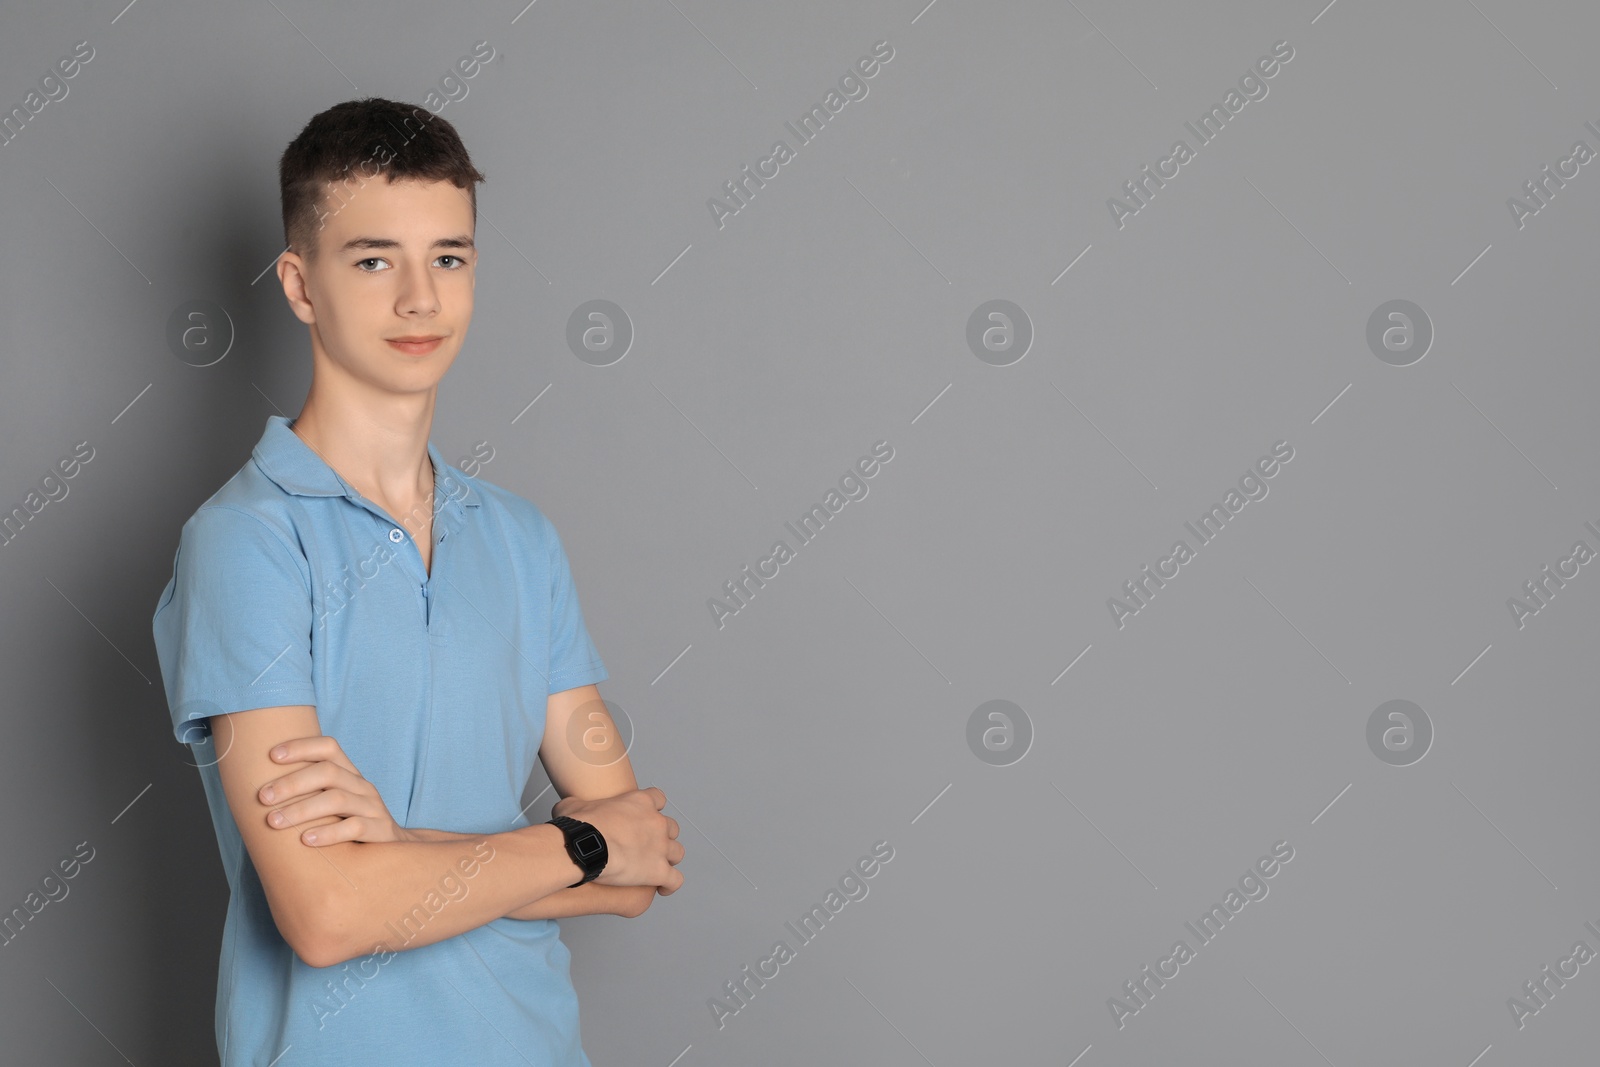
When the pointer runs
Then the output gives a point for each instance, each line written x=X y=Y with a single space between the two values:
x=394 y=261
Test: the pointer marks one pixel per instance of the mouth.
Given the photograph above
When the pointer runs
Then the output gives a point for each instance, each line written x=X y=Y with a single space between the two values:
x=416 y=345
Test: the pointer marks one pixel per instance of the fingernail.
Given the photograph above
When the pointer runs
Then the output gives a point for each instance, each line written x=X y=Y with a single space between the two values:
x=266 y=794
x=311 y=837
x=279 y=752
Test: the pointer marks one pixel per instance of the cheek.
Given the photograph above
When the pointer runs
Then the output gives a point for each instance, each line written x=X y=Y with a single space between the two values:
x=353 y=320
x=457 y=298
x=359 y=305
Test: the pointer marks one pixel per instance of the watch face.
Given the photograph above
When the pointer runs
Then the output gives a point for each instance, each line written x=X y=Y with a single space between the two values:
x=589 y=845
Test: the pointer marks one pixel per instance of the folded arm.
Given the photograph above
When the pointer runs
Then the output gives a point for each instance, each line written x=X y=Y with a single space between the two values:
x=591 y=766
x=591 y=898
x=350 y=898
x=583 y=754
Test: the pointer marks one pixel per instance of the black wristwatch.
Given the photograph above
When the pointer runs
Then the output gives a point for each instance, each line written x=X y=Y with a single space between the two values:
x=585 y=845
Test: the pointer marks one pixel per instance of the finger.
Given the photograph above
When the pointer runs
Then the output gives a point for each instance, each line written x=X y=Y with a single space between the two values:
x=334 y=802
x=301 y=825
x=328 y=803
x=311 y=779
x=657 y=797
x=296 y=785
x=333 y=833
x=672 y=827
x=311 y=750
x=300 y=749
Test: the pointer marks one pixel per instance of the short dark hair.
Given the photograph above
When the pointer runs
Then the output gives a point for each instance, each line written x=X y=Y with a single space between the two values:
x=356 y=141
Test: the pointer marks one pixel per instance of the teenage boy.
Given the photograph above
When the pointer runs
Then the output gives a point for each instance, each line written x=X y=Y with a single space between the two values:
x=366 y=648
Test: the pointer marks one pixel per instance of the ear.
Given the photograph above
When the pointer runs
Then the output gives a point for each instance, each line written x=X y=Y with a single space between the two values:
x=292 y=276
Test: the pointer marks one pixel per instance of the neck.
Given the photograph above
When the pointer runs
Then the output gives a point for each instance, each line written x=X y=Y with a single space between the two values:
x=381 y=450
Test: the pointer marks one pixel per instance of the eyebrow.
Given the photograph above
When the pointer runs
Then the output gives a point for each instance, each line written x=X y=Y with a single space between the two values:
x=363 y=243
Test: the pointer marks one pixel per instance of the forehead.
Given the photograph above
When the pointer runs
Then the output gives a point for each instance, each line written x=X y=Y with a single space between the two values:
x=408 y=210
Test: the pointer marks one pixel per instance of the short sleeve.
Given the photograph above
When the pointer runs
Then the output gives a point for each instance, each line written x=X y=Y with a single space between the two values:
x=233 y=626
x=574 y=661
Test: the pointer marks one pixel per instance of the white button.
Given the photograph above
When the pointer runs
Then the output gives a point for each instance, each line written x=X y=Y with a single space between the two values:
x=396 y=536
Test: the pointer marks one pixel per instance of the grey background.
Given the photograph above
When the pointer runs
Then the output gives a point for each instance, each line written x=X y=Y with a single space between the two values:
x=1230 y=313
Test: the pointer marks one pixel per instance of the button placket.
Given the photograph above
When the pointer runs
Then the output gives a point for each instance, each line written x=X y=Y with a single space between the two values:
x=422 y=576
x=447 y=519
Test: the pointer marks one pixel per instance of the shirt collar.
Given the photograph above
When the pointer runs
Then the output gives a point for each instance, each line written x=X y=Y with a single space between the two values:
x=296 y=468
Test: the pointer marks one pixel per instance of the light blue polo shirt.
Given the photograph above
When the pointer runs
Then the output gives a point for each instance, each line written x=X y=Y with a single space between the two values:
x=289 y=587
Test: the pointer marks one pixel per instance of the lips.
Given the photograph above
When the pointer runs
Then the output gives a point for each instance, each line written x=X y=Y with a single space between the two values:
x=416 y=345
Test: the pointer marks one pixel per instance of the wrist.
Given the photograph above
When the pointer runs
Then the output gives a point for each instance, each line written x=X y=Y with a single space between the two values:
x=555 y=842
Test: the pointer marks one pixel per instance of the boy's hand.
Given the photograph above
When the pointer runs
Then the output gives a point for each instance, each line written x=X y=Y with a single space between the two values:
x=330 y=786
x=641 y=843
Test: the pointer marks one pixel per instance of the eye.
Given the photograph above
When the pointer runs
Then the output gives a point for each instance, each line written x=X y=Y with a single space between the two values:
x=459 y=261
x=373 y=259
